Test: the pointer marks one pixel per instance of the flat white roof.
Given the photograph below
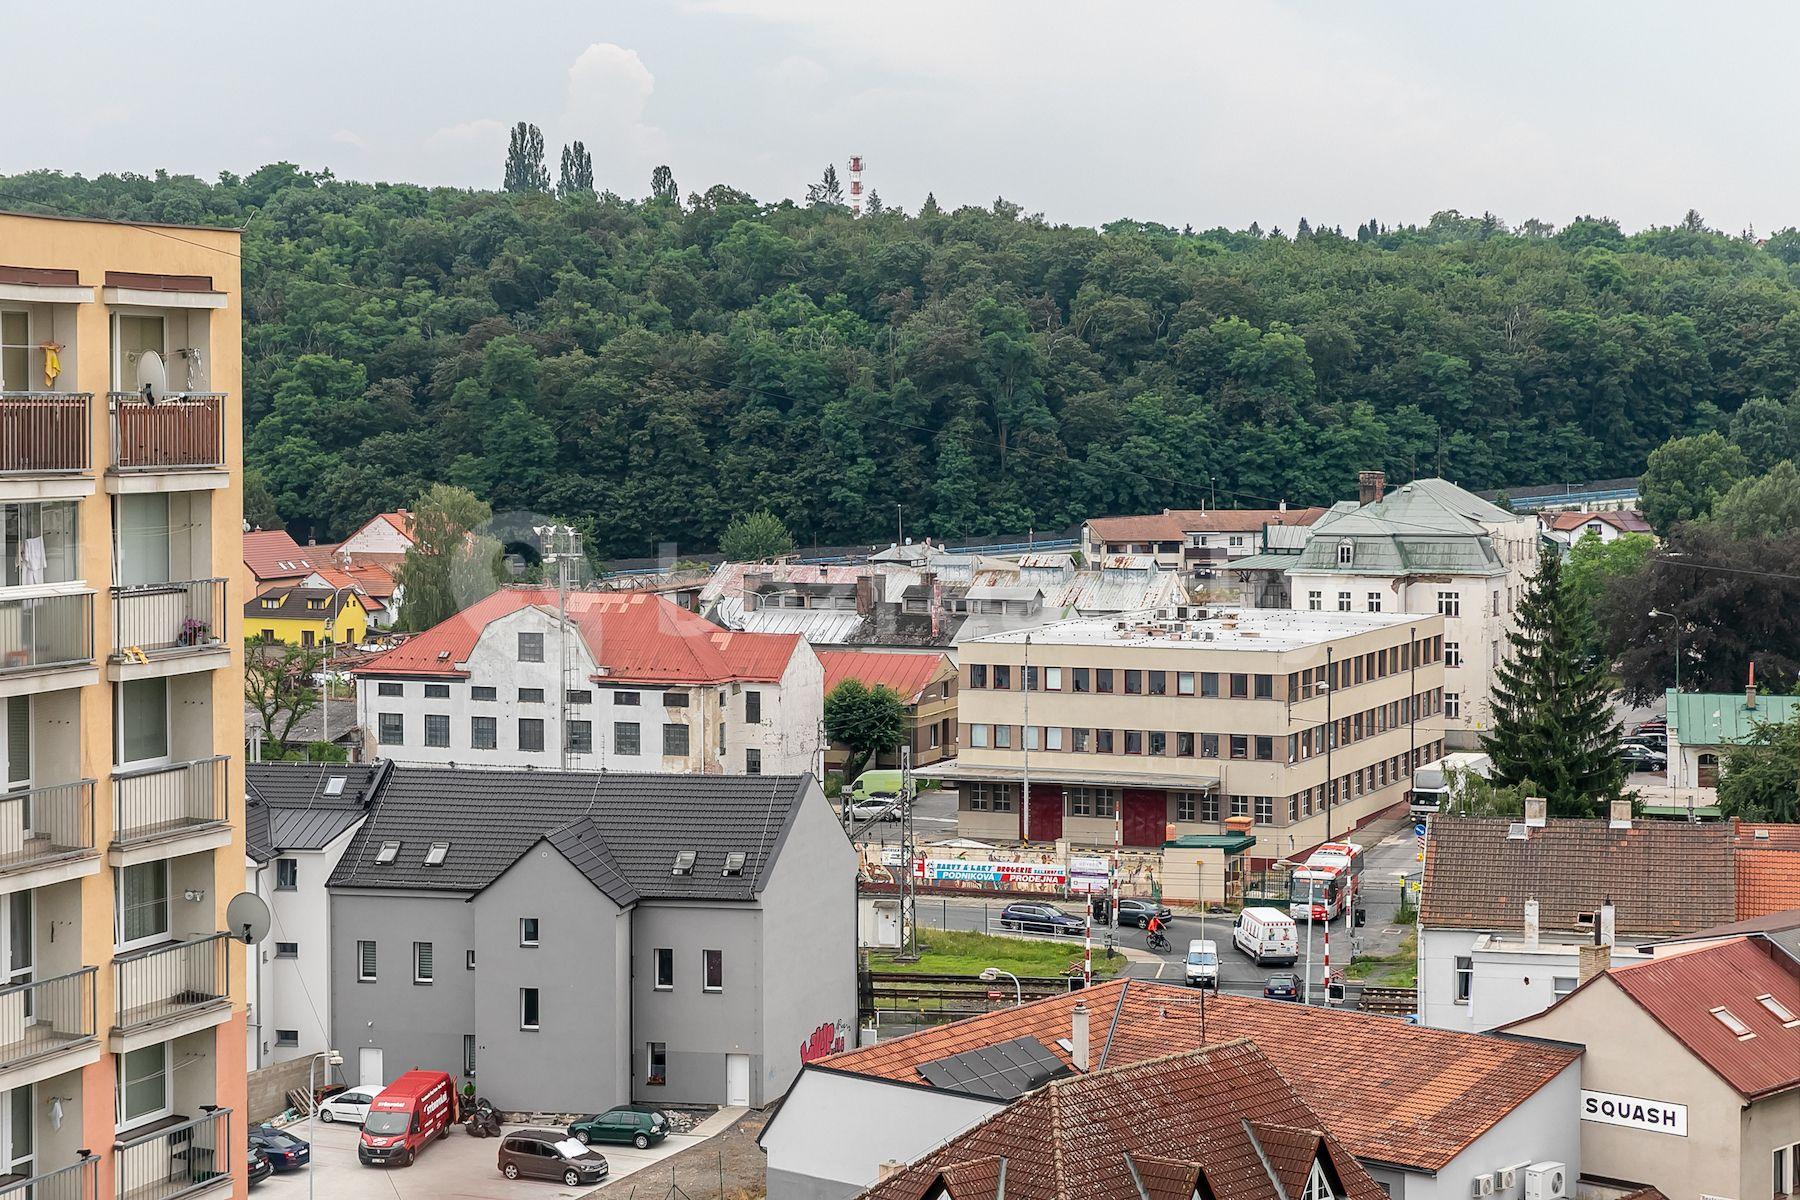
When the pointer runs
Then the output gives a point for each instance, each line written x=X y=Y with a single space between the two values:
x=1221 y=628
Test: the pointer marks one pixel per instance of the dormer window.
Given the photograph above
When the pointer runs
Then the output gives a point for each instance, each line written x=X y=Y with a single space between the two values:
x=1317 y=1186
x=1346 y=552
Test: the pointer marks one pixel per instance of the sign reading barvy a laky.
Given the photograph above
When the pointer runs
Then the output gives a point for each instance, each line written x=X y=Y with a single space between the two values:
x=1634 y=1112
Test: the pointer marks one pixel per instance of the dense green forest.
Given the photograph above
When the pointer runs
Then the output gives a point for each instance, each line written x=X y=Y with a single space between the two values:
x=652 y=368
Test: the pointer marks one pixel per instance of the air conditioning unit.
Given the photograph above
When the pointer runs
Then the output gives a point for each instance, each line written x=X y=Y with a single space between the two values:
x=1506 y=1179
x=1481 y=1185
x=1546 y=1181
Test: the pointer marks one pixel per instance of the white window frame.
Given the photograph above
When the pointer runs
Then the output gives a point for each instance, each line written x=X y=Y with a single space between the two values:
x=534 y=938
x=424 y=964
x=157 y=938
x=124 y=1120
x=537 y=998
x=1463 y=978
x=372 y=959
x=1317 y=1186
x=660 y=957
x=155 y=760
x=28 y=345
x=712 y=989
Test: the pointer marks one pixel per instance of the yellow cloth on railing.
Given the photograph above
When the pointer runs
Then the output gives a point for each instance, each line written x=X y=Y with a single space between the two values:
x=52 y=366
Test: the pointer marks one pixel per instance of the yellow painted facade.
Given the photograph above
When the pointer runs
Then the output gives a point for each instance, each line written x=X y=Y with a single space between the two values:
x=265 y=617
x=158 y=554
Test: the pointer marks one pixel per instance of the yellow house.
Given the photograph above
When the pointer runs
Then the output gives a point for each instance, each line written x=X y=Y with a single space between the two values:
x=303 y=616
x=121 y=681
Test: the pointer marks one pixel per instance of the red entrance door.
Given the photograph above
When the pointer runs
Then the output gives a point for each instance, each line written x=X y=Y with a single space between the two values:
x=1146 y=815
x=1046 y=812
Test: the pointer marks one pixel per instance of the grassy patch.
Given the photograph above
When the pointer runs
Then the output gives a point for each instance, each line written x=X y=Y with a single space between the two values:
x=964 y=952
x=1399 y=969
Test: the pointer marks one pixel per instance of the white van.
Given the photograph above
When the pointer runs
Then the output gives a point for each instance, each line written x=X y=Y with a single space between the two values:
x=1203 y=964
x=1267 y=935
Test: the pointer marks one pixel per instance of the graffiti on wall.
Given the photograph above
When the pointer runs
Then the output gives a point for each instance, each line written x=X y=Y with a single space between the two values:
x=831 y=1037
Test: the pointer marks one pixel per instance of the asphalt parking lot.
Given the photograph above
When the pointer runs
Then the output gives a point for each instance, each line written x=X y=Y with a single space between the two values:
x=458 y=1166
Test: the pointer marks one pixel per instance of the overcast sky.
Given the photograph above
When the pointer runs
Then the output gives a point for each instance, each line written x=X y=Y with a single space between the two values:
x=1187 y=113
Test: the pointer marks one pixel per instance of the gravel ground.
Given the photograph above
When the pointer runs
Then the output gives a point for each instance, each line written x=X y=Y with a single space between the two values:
x=732 y=1158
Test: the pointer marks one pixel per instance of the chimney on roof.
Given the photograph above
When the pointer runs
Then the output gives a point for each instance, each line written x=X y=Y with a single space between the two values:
x=1369 y=486
x=1078 y=1035
x=887 y=1167
x=1603 y=928
x=1750 y=688
x=1531 y=924
x=1537 y=812
x=1592 y=961
x=1283 y=507
x=865 y=595
x=1620 y=815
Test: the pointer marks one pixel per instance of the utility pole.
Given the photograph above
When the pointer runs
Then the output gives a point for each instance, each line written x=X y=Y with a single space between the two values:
x=909 y=888
x=1025 y=747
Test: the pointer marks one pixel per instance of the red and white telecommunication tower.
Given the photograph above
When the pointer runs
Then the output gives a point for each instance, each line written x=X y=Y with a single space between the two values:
x=856 y=185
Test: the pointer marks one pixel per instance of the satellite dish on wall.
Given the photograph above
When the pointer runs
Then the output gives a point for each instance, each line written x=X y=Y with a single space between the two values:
x=247 y=918
x=152 y=376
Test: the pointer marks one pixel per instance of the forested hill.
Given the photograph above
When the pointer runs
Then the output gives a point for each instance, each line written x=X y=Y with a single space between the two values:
x=656 y=368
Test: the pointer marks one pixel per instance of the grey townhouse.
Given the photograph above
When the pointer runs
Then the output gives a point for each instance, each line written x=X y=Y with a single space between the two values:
x=567 y=941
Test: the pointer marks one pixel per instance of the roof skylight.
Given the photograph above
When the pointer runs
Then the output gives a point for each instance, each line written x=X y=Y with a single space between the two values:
x=1730 y=1021
x=388 y=853
x=335 y=785
x=684 y=863
x=1779 y=1011
x=734 y=863
x=434 y=857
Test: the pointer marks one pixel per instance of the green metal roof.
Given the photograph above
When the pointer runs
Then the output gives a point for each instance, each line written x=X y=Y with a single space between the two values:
x=1705 y=812
x=1428 y=526
x=1261 y=562
x=1230 y=843
x=1721 y=718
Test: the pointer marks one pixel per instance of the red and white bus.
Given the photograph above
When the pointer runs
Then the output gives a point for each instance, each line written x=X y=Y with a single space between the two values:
x=1327 y=883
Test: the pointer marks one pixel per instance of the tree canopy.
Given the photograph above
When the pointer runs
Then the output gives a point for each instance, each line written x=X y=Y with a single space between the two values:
x=756 y=536
x=869 y=720
x=658 y=366
x=1760 y=777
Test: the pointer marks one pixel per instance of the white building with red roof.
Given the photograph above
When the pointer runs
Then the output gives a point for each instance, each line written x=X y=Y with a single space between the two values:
x=626 y=682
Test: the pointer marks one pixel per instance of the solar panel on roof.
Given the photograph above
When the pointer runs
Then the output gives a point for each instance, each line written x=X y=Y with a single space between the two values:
x=1000 y=1072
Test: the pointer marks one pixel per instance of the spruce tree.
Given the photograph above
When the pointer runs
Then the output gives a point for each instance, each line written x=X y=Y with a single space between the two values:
x=1554 y=723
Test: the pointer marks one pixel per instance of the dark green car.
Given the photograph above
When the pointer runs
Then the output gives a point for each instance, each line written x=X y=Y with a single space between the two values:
x=641 y=1127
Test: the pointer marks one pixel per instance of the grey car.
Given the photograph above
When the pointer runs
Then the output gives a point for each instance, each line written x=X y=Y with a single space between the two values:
x=551 y=1154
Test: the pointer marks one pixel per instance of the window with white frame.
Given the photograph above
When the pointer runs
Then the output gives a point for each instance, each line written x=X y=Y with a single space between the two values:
x=1374 y=601
x=712 y=970
x=1315 y=601
x=663 y=958
x=528 y=931
x=1465 y=977
x=1453 y=654
x=1187 y=806
x=1343 y=601
x=1784 y=1170
x=1449 y=604
x=143 y=723
x=142 y=916
x=1453 y=705
x=1317 y=1186
x=1346 y=553
x=422 y=965
x=287 y=874
x=365 y=962
x=530 y=1018
x=143 y=1092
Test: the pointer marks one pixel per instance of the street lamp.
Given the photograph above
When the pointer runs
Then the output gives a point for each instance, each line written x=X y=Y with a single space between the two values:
x=332 y=1059
x=990 y=974
x=1675 y=621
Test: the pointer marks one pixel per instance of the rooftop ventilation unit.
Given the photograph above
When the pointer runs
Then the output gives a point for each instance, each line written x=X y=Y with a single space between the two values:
x=684 y=863
x=388 y=853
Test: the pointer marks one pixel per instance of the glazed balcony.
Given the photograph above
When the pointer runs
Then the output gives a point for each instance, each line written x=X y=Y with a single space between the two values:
x=80 y=1180
x=176 y=1158
x=184 y=431
x=45 y=433
x=156 y=623
x=169 y=990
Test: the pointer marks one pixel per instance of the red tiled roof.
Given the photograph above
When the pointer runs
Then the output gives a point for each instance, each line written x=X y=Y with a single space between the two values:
x=373 y=578
x=1681 y=990
x=1766 y=837
x=907 y=674
x=1154 y=527
x=1768 y=881
x=1241 y=520
x=1663 y=877
x=1395 y=1093
x=1223 y=1115
x=633 y=637
x=337 y=578
x=1624 y=520
x=274 y=554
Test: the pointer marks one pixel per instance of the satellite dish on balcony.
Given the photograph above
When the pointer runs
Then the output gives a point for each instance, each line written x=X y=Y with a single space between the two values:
x=152 y=377
x=247 y=918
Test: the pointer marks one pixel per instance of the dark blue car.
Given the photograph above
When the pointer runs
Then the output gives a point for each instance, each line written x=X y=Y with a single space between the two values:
x=1285 y=986
x=1040 y=918
x=284 y=1151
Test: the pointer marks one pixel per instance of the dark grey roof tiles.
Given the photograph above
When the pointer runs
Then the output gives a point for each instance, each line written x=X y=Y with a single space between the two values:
x=301 y=806
x=491 y=817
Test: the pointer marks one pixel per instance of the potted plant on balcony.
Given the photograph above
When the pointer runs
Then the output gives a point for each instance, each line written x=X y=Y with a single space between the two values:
x=194 y=632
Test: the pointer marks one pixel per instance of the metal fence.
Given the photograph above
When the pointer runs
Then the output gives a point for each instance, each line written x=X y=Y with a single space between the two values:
x=43 y=432
x=181 y=431
x=161 y=800
x=176 y=1161
x=168 y=616
x=46 y=1015
x=46 y=822
x=80 y=1180
x=164 y=981
x=46 y=631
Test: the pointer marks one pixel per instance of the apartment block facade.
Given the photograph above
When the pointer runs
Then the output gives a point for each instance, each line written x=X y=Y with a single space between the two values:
x=121 y=1023
x=1174 y=721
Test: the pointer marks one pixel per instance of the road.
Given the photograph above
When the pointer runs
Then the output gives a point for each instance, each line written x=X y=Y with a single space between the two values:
x=1385 y=864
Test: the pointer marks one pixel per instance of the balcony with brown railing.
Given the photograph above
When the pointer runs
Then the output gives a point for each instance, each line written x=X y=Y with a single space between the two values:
x=183 y=431
x=176 y=1157
x=45 y=433
x=171 y=802
x=43 y=627
x=167 y=620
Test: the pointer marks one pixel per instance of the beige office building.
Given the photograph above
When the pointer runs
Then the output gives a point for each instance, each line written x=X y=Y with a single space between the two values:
x=1173 y=721
x=122 y=1033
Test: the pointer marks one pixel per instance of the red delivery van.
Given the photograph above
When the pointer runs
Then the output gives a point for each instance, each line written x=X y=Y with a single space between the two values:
x=409 y=1112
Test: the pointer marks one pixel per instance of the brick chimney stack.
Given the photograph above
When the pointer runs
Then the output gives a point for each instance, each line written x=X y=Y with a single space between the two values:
x=1369 y=486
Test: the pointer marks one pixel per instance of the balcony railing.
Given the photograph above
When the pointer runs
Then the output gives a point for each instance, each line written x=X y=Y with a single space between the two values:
x=158 y=801
x=154 y=985
x=46 y=630
x=80 y=1180
x=46 y=823
x=44 y=433
x=46 y=1015
x=180 y=432
x=168 y=617
x=176 y=1160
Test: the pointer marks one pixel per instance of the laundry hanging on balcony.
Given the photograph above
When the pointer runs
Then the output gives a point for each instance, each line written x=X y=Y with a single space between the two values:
x=52 y=362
